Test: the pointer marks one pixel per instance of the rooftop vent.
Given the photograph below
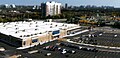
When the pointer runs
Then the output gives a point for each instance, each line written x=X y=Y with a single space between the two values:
x=4 y=25
x=50 y=26
x=27 y=35
x=16 y=28
x=30 y=23
x=36 y=25
x=20 y=35
x=23 y=30
x=36 y=29
x=36 y=22
x=65 y=25
x=56 y=25
x=31 y=34
x=24 y=36
x=16 y=32
x=35 y=34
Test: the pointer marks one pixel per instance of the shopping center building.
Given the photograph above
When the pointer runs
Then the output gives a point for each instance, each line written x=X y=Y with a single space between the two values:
x=28 y=34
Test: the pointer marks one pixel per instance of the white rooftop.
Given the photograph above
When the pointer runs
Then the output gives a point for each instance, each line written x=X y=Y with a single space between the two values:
x=28 y=29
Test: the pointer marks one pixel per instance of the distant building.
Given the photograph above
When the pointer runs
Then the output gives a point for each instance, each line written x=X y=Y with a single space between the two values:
x=7 y=6
x=50 y=8
x=13 y=6
x=36 y=7
x=66 y=5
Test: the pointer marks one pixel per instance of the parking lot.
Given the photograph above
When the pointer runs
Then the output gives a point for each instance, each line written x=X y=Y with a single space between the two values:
x=79 y=53
x=64 y=49
x=55 y=53
x=97 y=37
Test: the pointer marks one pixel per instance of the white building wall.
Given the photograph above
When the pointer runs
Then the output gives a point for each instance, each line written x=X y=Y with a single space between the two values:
x=52 y=8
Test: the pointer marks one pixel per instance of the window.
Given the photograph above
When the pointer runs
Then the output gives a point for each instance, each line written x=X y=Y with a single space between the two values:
x=40 y=33
x=55 y=32
x=34 y=40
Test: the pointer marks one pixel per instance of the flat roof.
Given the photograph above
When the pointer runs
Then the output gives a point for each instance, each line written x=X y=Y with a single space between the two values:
x=25 y=29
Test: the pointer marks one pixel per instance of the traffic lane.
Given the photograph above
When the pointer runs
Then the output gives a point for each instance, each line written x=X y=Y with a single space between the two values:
x=108 y=43
x=101 y=54
x=106 y=39
x=98 y=48
x=56 y=54
x=101 y=41
x=102 y=38
x=42 y=54
x=108 y=54
x=80 y=53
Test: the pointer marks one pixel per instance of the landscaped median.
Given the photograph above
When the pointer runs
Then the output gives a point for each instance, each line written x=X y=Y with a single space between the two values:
x=99 y=46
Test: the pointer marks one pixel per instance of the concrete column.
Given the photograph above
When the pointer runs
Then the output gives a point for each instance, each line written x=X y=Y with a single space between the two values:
x=50 y=35
x=63 y=32
x=27 y=42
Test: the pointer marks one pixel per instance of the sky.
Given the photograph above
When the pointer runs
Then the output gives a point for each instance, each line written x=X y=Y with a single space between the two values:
x=115 y=3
